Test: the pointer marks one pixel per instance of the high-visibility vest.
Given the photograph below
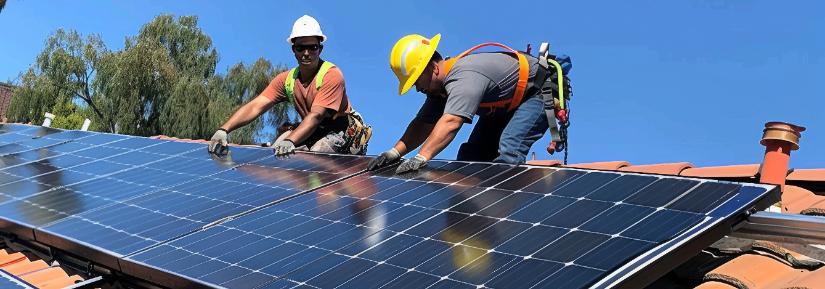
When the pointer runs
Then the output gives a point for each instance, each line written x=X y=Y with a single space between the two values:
x=289 y=84
x=523 y=75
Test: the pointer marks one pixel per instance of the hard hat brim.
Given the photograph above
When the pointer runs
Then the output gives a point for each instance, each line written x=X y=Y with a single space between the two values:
x=403 y=87
x=291 y=37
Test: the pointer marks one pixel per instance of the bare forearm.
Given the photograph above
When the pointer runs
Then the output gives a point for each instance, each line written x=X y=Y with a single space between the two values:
x=306 y=128
x=413 y=137
x=246 y=113
x=441 y=136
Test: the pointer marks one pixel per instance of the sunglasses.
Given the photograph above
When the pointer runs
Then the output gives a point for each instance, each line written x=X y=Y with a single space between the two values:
x=302 y=48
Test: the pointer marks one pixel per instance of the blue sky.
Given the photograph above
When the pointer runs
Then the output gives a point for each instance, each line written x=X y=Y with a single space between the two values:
x=654 y=81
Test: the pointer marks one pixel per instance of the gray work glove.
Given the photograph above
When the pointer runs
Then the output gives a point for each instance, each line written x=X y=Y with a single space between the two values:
x=284 y=147
x=412 y=164
x=387 y=157
x=218 y=143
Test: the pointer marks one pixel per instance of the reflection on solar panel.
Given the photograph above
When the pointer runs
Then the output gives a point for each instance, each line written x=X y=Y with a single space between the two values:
x=460 y=225
x=105 y=196
x=169 y=213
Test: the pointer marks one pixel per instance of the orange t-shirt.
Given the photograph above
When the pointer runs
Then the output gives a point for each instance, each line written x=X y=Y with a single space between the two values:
x=332 y=95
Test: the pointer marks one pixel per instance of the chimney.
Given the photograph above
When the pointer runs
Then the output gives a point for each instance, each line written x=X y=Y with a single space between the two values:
x=779 y=139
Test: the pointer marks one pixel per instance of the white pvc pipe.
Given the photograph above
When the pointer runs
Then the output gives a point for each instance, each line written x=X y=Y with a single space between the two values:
x=86 y=124
x=48 y=121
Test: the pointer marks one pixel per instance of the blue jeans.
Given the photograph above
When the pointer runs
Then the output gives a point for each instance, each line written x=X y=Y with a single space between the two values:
x=506 y=137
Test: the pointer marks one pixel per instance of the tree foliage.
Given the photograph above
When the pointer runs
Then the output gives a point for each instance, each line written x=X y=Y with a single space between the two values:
x=61 y=73
x=162 y=82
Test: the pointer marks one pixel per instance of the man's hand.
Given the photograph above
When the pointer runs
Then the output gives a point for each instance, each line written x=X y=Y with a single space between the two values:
x=384 y=158
x=284 y=147
x=412 y=164
x=218 y=144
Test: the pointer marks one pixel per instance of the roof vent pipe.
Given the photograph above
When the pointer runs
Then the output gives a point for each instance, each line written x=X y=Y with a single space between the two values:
x=86 y=124
x=47 y=122
x=779 y=139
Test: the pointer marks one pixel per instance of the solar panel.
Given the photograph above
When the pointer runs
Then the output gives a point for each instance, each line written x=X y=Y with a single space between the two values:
x=460 y=225
x=172 y=214
x=104 y=196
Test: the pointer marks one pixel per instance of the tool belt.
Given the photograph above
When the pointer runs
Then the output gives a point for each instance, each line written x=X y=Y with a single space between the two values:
x=356 y=136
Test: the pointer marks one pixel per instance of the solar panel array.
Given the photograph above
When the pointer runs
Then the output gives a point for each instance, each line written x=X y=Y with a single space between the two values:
x=170 y=213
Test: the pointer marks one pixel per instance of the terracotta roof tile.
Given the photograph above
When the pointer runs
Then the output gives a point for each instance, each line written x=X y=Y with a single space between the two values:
x=796 y=199
x=756 y=271
x=615 y=165
x=25 y=266
x=203 y=141
x=807 y=175
x=10 y=258
x=52 y=277
x=34 y=271
x=549 y=163
x=664 y=169
x=735 y=171
x=715 y=285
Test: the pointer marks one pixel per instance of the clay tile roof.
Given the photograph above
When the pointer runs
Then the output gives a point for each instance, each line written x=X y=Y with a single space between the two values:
x=773 y=272
x=663 y=169
x=544 y=162
x=34 y=271
x=614 y=165
x=796 y=200
x=807 y=175
x=735 y=171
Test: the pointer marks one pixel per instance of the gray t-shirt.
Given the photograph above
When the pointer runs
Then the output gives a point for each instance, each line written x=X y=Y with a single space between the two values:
x=475 y=78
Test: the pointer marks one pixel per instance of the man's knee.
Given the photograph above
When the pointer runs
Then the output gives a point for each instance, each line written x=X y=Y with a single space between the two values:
x=331 y=143
x=511 y=157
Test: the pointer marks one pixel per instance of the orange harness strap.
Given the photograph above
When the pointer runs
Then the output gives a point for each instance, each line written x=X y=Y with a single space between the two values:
x=521 y=85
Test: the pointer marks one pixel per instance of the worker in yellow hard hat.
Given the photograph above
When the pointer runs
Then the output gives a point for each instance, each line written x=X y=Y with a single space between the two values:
x=507 y=90
x=316 y=89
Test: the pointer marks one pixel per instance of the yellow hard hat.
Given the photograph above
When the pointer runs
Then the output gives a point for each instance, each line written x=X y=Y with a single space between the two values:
x=409 y=57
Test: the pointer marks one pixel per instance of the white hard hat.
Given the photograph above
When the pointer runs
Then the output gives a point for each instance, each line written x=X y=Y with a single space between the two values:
x=306 y=26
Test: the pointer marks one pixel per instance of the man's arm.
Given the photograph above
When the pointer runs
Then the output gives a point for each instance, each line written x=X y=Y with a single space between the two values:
x=444 y=132
x=417 y=131
x=248 y=112
x=308 y=124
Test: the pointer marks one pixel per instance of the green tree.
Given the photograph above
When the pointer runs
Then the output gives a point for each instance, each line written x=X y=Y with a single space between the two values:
x=162 y=82
x=189 y=48
x=133 y=85
x=63 y=72
x=185 y=113
x=68 y=115
x=241 y=84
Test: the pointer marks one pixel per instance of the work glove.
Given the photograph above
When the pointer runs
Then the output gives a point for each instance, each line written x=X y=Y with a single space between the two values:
x=284 y=147
x=218 y=144
x=384 y=158
x=412 y=164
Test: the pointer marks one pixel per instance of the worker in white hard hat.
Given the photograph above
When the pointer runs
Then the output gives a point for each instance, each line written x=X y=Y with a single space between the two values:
x=316 y=89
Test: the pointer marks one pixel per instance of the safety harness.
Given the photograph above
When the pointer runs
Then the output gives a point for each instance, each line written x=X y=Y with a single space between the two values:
x=357 y=133
x=556 y=112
